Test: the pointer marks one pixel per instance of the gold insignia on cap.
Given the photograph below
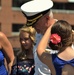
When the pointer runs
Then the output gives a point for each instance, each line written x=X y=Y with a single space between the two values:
x=32 y=21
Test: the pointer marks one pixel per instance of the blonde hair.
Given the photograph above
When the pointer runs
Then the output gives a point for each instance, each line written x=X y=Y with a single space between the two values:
x=30 y=30
x=22 y=54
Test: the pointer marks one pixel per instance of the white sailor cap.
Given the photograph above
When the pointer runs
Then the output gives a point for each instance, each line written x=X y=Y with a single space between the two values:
x=35 y=9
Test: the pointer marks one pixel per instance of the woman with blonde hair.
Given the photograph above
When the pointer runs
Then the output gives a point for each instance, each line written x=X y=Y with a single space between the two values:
x=25 y=60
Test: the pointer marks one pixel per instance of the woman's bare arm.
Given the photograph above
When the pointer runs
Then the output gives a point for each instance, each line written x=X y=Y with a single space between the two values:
x=7 y=49
x=42 y=54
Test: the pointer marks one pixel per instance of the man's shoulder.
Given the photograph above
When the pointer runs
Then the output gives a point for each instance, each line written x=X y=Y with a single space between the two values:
x=38 y=38
x=38 y=35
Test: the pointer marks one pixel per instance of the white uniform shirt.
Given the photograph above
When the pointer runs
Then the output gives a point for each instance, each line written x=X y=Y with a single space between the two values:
x=40 y=68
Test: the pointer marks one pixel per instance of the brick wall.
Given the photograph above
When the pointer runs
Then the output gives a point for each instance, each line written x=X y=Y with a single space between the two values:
x=8 y=16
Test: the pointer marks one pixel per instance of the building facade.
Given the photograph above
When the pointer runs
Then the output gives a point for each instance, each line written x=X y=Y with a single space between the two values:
x=12 y=19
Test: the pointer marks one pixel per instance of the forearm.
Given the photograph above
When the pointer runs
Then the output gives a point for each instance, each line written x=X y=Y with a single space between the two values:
x=44 y=41
x=10 y=64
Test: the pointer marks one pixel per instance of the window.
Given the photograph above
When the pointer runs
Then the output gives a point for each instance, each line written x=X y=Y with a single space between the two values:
x=16 y=27
x=63 y=6
x=18 y=3
x=73 y=27
x=0 y=2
